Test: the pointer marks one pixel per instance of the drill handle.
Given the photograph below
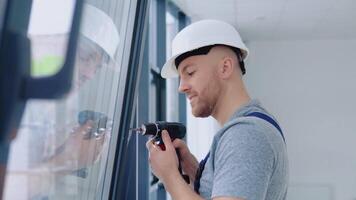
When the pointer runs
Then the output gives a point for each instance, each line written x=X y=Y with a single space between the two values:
x=159 y=142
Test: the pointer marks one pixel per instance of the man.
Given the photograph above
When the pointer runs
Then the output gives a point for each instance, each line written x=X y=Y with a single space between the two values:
x=247 y=158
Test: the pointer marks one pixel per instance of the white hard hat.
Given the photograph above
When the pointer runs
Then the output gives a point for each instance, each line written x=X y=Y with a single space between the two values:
x=200 y=34
x=99 y=28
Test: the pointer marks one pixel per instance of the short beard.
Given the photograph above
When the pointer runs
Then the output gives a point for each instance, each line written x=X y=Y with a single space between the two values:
x=211 y=94
x=202 y=111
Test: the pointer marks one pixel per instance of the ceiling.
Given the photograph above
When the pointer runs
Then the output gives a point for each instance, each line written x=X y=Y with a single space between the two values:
x=279 y=19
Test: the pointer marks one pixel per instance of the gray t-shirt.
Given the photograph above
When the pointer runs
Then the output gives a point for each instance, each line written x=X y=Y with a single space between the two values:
x=248 y=159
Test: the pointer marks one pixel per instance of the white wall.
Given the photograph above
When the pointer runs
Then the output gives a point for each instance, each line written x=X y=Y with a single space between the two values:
x=200 y=133
x=311 y=87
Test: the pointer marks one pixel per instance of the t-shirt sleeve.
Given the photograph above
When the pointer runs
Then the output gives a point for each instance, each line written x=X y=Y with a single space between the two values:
x=243 y=163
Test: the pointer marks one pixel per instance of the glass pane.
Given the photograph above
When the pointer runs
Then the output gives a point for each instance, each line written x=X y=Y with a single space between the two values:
x=2 y=13
x=171 y=31
x=62 y=145
x=49 y=28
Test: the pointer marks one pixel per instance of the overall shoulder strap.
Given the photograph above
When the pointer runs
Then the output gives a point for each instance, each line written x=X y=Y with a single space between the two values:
x=268 y=119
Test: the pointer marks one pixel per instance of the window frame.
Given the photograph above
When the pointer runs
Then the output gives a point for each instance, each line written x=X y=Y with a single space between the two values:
x=131 y=66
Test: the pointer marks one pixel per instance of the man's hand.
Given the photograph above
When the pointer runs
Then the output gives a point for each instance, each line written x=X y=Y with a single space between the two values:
x=86 y=149
x=163 y=163
x=79 y=150
x=188 y=162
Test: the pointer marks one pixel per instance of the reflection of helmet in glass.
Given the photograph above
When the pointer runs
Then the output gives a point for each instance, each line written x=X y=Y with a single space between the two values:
x=97 y=43
x=99 y=28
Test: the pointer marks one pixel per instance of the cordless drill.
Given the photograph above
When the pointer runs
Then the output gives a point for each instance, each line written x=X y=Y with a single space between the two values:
x=175 y=130
x=99 y=122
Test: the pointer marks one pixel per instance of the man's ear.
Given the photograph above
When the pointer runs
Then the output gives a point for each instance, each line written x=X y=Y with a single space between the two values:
x=226 y=67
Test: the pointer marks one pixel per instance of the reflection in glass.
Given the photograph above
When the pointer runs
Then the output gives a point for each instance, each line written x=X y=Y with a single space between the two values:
x=48 y=20
x=61 y=148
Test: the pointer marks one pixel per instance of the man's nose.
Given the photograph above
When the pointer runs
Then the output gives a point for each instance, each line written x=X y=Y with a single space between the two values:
x=183 y=87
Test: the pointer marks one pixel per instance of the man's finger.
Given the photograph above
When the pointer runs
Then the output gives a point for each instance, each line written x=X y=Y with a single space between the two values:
x=178 y=143
x=150 y=145
x=167 y=139
x=84 y=129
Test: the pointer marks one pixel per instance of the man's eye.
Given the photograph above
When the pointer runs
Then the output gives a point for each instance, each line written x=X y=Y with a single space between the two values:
x=191 y=73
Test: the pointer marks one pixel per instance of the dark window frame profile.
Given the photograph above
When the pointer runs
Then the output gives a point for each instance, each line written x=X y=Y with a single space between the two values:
x=119 y=187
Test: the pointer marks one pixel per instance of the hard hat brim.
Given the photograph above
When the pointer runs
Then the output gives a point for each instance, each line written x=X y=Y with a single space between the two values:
x=169 y=69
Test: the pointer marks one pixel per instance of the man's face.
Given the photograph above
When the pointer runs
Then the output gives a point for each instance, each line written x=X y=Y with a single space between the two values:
x=88 y=61
x=87 y=67
x=200 y=82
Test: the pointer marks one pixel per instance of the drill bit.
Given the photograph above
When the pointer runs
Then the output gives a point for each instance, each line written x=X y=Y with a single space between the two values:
x=136 y=129
x=140 y=130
